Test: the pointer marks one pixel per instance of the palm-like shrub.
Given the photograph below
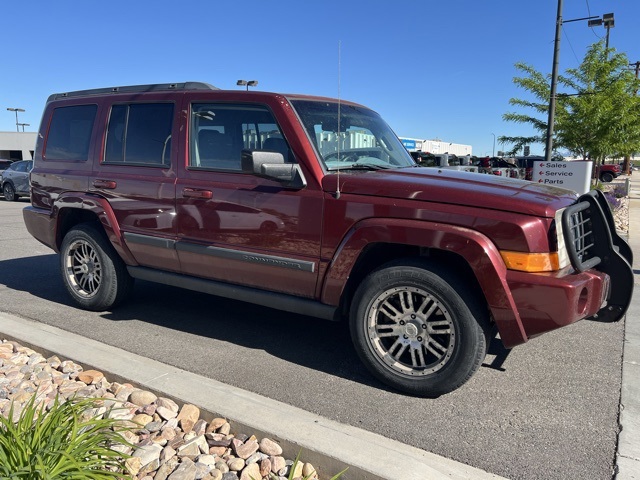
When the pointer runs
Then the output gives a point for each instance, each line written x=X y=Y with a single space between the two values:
x=60 y=443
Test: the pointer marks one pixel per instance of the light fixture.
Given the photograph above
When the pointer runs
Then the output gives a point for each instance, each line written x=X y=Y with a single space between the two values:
x=247 y=83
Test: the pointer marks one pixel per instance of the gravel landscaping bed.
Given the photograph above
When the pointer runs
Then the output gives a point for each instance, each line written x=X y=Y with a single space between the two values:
x=170 y=442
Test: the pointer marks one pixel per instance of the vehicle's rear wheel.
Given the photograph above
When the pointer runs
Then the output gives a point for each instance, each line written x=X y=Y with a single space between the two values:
x=416 y=330
x=93 y=273
x=9 y=193
x=607 y=177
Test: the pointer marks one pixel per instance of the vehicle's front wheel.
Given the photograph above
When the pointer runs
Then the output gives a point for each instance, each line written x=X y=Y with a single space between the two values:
x=415 y=332
x=9 y=193
x=93 y=273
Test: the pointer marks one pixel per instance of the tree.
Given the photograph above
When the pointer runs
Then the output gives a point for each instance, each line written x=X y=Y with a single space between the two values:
x=599 y=118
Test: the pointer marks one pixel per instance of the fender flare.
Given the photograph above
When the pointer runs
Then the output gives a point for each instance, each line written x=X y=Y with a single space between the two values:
x=475 y=248
x=100 y=207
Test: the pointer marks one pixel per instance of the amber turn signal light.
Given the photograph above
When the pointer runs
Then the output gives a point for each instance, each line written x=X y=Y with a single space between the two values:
x=531 y=262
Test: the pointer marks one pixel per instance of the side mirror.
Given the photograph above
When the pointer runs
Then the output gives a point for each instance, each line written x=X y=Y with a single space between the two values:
x=271 y=165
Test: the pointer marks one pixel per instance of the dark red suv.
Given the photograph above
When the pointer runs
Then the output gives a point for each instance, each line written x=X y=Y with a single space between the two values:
x=312 y=205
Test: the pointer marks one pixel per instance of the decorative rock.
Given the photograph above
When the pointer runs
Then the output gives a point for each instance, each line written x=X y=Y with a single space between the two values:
x=150 y=467
x=202 y=469
x=215 y=424
x=90 y=377
x=200 y=427
x=250 y=472
x=166 y=454
x=164 y=442
x=168 y=433
x=214 y=474
x=297 y=470
x=222 y=466
x=207 y=459
x=270 y=447
x=244 y=450
x=166 y=469
x=218 y=451
x=188 y=416
x=142 y=419
x=225 y=428
x=167 y=403
x=166 y=413
x=148 y=454
x=308 y=471
x=265 y=467
x=194 y=446
x=235 y=464
x=153 y=426
x=133 y=465
x=142 y=398
x=186 y=471
x=256 y=458
x=277 y=463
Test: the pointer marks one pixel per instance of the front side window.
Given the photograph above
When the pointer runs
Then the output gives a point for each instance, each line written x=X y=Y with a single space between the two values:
x=140 y=134
x=219 y=133
x=69 y=134
x=361 y=139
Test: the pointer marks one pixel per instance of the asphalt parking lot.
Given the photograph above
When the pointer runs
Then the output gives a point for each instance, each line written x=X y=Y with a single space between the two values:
x=552 y=413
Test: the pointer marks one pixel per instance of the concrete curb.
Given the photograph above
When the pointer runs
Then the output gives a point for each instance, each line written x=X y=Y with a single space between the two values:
x=628 y=455
x=328 y=445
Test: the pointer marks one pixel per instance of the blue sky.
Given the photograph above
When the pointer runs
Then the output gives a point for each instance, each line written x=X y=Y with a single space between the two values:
x=432 y=69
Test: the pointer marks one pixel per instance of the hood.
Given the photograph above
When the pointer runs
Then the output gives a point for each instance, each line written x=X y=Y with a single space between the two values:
x=455 y=188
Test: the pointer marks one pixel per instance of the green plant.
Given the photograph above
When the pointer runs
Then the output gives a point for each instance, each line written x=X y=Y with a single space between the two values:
x=60 y=443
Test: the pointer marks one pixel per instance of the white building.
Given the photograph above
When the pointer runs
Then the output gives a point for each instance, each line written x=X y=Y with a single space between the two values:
x=435 y=146
x=17 y=145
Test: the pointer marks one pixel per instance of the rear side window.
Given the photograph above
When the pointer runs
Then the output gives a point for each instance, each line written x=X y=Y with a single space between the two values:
x=140 y=134
x=70 y=133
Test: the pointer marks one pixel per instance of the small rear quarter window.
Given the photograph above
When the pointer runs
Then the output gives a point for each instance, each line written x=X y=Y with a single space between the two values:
x=69 y=134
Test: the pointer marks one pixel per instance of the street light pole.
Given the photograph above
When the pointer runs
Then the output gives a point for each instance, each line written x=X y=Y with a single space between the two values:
x=16 y=110
x=493 y=153
x=554 y=82
x=554 y=78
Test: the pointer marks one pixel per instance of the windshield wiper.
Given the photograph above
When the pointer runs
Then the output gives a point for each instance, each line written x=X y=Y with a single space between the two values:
x=360 y=166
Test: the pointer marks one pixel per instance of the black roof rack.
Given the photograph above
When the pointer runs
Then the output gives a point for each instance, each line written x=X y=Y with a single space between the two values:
x=158 y=87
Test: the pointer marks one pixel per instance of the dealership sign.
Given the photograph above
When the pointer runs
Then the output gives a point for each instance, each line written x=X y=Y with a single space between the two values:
x=574 y=176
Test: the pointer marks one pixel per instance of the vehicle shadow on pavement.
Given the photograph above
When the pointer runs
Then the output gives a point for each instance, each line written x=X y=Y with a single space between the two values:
x=305 y=341
x=39 y=275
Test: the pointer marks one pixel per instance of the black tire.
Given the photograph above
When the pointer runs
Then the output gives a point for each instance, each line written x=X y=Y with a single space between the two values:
x=268 y=227
x=9 y=192
x=607 y=177
x=439 y=334
x=93 y=273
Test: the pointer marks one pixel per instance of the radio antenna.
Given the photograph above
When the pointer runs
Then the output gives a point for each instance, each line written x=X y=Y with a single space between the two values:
x=338 y=132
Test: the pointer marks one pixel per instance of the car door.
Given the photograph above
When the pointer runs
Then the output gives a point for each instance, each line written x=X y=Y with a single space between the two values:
x=16 y=175
x=21 y=178
x=239 y=227
x=136 y=174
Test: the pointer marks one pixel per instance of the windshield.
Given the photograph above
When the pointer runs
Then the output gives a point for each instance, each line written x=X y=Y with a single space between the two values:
x=362 y=140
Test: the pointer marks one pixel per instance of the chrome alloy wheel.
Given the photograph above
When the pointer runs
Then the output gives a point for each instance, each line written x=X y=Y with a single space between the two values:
x=83 y=268
x=410 y=331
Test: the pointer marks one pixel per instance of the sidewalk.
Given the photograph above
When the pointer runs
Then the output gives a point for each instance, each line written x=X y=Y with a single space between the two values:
x=628 y=457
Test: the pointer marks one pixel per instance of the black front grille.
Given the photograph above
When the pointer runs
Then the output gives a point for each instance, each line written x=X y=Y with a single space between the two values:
x=581 y=241
x=588 y=230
